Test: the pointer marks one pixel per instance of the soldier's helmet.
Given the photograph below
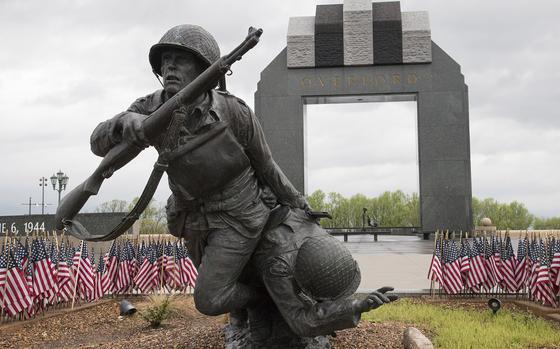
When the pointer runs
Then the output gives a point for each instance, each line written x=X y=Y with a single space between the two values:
x=325 y=269
x=189 y=37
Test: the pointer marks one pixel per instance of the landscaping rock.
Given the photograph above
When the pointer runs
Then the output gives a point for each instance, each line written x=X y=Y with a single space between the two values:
x=414 y=339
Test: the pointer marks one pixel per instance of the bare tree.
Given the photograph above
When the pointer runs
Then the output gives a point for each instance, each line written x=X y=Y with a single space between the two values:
x=114 y=205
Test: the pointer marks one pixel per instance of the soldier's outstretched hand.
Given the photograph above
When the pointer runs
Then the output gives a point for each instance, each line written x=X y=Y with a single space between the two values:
x=377 y=299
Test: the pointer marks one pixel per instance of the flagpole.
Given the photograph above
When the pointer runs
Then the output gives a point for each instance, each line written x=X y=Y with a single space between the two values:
x=77 y=275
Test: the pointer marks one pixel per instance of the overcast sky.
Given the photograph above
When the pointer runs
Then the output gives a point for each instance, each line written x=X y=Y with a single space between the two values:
x=66 y=65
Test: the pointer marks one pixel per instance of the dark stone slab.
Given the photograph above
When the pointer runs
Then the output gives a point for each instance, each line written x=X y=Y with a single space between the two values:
x=387 y=15
x=448 y=142
x=445 y=108
x=444 y=177
x=450 y=212
x=387 y=33
x=95 y=223
x=329 y=39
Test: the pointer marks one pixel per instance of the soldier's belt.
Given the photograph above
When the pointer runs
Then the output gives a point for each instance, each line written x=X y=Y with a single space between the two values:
x=247 y=193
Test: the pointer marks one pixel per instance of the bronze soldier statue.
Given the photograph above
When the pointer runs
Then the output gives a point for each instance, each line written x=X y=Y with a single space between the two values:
x=216 y=202
x=296 y=282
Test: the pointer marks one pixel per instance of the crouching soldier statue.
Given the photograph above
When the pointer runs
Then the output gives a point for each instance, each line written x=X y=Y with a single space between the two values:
x=310 y=277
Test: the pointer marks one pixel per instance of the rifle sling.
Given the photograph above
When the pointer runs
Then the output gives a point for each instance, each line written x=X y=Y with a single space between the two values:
x=78 y=230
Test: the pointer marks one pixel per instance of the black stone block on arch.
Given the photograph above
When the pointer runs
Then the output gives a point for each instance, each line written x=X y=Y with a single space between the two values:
x=387 y=33
x=329 y=37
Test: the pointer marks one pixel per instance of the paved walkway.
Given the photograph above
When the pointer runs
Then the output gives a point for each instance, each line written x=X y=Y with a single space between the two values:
x=398 y=261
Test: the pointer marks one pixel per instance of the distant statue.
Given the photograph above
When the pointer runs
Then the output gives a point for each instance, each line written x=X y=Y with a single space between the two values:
x=366 y=219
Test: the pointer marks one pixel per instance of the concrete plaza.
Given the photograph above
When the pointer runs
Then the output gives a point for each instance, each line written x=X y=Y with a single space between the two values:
x=398 y=261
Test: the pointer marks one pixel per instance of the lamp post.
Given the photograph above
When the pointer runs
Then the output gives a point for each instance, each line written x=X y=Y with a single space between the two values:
x=43 y=184
x=62 y=180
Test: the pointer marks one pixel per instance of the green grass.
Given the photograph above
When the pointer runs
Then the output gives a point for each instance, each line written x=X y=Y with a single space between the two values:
x=464 y=328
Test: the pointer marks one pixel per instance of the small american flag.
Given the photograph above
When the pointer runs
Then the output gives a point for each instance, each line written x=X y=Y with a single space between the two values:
x=147 y=277
x=43 y=273
x=29 y=278
x=52 y=296
x=172 y=271
x=452 y=282
x=489 y=265
x=112 y=267
x=133 y=262
x=478 y=268
x=533 y=263
x=16 y=292
x=434 y=273
x=508 y=266
x=189 y=273
x=3 y=273
x=99 y=290
x=465 y=264
x=123 y=272
x=65 y=277
x=555 y=263
x=83 y=267
x=521 y=270
x=544 y=289
x=21 y=256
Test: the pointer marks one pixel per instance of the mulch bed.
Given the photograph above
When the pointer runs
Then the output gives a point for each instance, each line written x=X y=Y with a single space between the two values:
x=99 y=326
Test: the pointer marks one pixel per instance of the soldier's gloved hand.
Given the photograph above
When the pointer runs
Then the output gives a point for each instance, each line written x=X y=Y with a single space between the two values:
x=377 y=299
x=132 y=131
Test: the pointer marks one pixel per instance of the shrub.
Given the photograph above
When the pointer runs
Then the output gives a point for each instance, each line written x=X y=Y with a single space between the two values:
x=158 y=311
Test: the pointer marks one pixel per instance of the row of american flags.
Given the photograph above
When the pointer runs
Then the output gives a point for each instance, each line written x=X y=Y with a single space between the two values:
x=488 y=264
x=38 y=273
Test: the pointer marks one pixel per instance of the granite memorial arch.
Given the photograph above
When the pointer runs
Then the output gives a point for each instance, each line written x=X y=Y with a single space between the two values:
x=365 y=52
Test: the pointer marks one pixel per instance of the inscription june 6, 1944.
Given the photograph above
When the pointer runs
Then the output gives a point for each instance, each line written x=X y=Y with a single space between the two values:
x=21 y=227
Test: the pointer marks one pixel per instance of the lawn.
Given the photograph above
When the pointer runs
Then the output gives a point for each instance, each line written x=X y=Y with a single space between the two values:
x=458 y=327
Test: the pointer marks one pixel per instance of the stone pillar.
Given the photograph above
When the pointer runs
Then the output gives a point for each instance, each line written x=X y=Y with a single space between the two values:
x=301 y=42
x=416 y=37
x=358 y=32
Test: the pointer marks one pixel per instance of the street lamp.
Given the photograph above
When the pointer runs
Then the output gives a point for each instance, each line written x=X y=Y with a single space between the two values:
x=62 y=180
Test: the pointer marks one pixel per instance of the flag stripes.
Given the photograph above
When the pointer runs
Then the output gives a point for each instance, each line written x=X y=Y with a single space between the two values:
x=41 y=272
x=489 y=264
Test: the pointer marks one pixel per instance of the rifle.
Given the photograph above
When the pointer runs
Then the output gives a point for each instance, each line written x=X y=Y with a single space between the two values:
x=124 y=152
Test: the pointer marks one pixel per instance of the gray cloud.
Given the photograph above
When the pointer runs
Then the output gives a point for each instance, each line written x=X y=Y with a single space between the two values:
x=67 y=65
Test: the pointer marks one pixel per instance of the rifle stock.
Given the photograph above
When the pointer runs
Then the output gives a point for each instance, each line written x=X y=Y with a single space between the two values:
x=153 y=125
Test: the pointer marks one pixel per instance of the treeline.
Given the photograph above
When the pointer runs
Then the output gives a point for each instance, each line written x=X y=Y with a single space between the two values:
x=390 y=209
x=513 y=215
x=152 y=221
x=397 y=209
